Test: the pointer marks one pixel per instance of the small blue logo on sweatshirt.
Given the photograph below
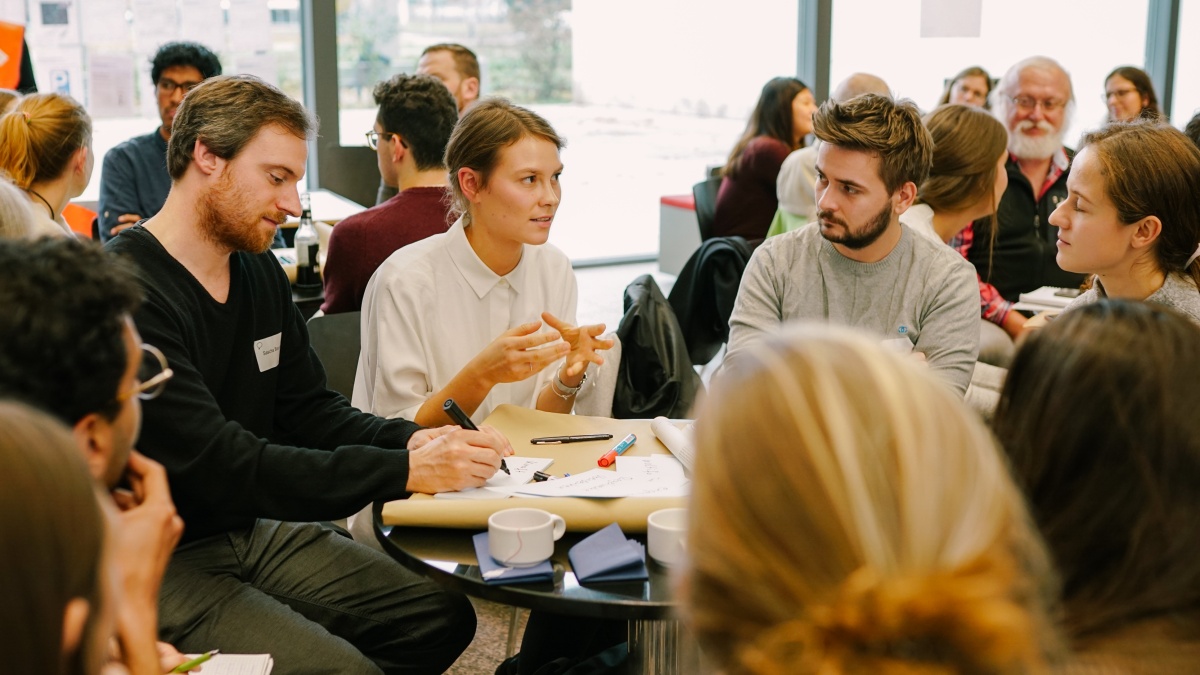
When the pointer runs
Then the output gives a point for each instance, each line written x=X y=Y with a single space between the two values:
x=902 y=330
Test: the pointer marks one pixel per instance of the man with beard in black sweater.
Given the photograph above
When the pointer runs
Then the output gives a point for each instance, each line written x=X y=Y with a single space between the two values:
x=253 y=441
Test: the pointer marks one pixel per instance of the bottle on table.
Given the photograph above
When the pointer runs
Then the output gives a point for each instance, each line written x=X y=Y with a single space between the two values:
x=308 y=276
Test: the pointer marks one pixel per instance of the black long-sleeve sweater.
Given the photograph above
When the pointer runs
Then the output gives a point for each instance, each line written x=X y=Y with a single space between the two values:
x=238 y=442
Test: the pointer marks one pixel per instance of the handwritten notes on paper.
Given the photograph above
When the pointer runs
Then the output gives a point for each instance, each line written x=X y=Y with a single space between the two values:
x=502 y=485
x=653 y=476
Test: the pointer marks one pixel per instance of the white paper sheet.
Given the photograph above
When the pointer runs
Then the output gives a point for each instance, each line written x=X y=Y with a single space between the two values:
x=659 y=468
x=110 y=85
x=681 y=442
x=238 y=664
x=60 y=70
x=597 y=483
x=501 y=484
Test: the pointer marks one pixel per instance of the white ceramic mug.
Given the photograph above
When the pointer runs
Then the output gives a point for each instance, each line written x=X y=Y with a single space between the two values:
x=666 y=532
x=523 y=537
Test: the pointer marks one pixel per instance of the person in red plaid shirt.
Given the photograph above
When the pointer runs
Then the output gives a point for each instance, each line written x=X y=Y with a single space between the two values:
x=1035 y=102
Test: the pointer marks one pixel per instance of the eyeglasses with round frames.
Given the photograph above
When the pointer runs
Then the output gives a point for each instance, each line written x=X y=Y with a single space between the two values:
x=374 y=136
x=168 y=86
x=1117 y=93
x=1029 y=104
x=153 y=373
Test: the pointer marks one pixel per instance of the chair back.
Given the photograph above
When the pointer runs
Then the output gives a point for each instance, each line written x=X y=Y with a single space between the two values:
x=705 y=195
x=655 y=376
x=335 y=339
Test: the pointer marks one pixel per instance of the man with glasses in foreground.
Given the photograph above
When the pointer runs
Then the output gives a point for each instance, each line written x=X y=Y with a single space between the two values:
x=134 y=183
x=1034 y=100
x=68 y=346
x=416 y=116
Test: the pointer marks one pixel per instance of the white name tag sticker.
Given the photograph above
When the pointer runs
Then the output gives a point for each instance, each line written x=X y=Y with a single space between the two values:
x=266 y=351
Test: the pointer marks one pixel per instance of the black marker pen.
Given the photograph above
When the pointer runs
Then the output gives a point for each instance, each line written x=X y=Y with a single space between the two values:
x=460 y=418
x=555 y=440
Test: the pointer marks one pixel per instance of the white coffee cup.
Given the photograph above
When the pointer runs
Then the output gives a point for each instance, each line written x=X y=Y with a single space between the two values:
x=666 y=534
x=523 y=537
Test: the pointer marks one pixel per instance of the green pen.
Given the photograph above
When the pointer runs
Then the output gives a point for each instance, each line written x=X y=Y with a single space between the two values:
x=188 y=665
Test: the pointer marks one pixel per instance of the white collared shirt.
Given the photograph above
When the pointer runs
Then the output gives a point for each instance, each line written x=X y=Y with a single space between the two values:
x=433 y=305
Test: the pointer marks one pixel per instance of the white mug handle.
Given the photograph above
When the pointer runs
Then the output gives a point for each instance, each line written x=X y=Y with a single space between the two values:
x=560 y=526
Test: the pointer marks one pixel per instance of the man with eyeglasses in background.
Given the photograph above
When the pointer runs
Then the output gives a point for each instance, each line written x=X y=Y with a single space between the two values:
x=1035 y=102
x=454 y=66
x=68 y=346
x=134 y=182
x=416 y=117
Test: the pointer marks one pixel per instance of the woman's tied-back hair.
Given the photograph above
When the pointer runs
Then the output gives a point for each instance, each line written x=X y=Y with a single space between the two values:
x=772 y=117
x=967 y=142
x=52 y=534
x=1153 y=169
x=40 y=135
x=488 y=127
x=850 y=515
x=890 y=130
x=1098 y=417
x=226 y=112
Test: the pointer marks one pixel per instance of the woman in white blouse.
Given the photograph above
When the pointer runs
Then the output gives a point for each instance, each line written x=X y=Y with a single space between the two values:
x=483 y=314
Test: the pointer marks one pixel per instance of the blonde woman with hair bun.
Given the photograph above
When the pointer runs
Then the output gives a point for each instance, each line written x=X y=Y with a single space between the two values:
x=850 y=515
x=47 y=152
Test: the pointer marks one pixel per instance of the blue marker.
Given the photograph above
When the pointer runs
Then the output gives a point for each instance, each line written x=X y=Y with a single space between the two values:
x=619 y=449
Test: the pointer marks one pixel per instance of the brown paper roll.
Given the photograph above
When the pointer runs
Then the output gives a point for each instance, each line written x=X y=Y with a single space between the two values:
x=520 y=425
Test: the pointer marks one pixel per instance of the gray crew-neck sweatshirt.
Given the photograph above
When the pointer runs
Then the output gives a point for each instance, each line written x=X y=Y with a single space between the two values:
x=923 y=291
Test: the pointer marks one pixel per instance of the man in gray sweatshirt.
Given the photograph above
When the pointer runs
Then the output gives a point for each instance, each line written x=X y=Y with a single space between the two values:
x=857 y=265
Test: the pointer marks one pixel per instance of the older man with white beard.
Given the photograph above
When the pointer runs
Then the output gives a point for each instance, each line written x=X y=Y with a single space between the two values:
x=1035 y=102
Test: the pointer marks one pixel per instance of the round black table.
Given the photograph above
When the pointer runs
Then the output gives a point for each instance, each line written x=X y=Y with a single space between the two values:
x=447 y=555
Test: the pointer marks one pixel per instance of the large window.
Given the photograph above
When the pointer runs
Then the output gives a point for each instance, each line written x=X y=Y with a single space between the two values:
x=1088 y=37
x=647 y=94
x=99 y=52
x=1187 y=65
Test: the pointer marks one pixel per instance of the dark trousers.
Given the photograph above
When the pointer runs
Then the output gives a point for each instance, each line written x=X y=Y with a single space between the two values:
x=315 y=600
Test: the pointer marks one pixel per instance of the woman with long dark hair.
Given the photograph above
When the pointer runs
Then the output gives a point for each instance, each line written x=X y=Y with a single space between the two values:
x=747 y=200
x=1129 y=94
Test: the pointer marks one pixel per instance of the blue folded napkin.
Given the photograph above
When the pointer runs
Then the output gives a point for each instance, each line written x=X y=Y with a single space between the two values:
x=608 y=556
x=542 y=571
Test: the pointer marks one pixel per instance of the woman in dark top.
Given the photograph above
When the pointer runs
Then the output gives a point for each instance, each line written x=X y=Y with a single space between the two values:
x=746 y=201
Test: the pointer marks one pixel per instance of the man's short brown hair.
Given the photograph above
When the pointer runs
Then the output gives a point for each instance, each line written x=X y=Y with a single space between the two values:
x=465 y=61
x=891 y=130
x=225 y=112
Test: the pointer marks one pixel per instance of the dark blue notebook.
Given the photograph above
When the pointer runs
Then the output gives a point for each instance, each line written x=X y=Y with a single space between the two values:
x=488 y=567
x=608 y=556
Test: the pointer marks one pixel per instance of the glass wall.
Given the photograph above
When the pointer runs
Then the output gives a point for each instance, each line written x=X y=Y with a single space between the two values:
x=647 y=94
x=1088 y=37
x=99 y=52
x=1187 y=66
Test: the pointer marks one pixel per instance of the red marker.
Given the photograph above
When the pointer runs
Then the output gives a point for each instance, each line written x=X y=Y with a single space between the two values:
x=619 y=449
